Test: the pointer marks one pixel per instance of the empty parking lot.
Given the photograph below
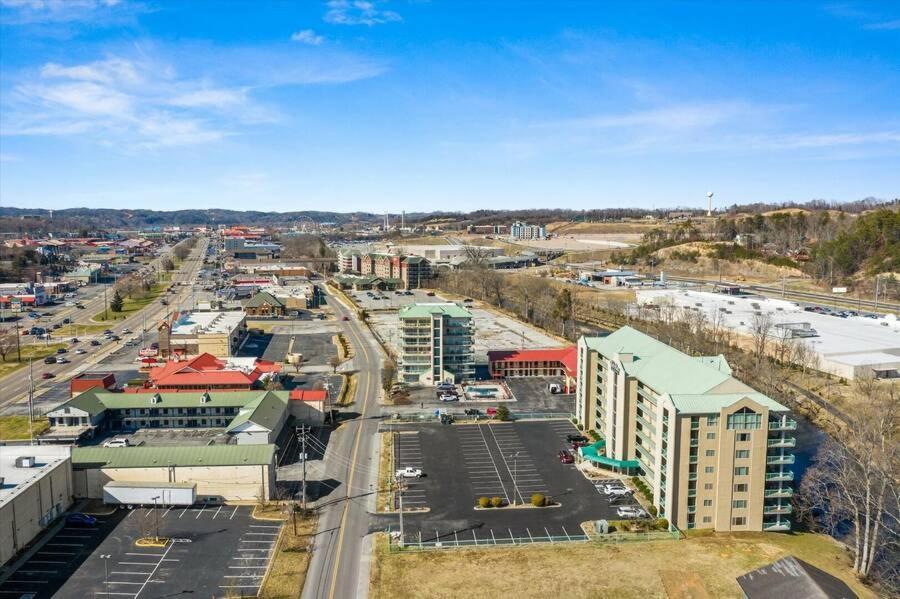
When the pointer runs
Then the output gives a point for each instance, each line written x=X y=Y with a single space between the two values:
x=508 y=460
x=215 y=550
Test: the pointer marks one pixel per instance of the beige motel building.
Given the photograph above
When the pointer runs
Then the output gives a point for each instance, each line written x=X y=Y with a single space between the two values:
x=716 y=453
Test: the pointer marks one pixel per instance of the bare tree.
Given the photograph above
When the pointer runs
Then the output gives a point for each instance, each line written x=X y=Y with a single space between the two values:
x=334 y=362
x=760 y=327
x=388 y=374
x=7 y=342
x=854 y=479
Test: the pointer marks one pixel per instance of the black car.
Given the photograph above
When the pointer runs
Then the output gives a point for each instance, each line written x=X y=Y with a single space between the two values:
x=67 y=320
x=576 y=439
x=94 y=342
x=50 y=360
x=473 y=412
x=61 y=350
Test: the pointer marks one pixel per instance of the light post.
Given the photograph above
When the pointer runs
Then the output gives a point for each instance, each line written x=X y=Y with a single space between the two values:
x=105 y=559
x=156 y=517
x=515 y=471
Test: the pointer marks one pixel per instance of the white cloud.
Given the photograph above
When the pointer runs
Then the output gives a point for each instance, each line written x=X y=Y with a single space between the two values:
x=358 y=12
x=884 y=25
x=214 y=98
x=24 y=12
x=307 y=36
x=675 y=117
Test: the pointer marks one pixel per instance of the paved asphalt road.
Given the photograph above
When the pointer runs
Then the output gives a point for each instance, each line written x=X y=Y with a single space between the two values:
x=15 y=386
x=336 y=566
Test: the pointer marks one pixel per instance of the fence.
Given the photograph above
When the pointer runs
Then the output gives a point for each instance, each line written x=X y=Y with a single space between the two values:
x=464 y=540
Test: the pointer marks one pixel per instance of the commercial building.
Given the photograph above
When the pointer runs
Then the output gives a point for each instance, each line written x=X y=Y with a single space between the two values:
x=552 y=362
x=91 y=380
x=410 y=270
x=35 y=489
x=242 y=249
x=436 y=343
x=22 y=295
x=195 y=333
x=520 y=230
x=716 y=453
x=263 y=304
x=207 y=372
x=255 y=416
x=220 y=472
x=444 y=253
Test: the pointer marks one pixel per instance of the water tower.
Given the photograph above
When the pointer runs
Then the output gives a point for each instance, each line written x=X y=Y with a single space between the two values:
x=709 y=196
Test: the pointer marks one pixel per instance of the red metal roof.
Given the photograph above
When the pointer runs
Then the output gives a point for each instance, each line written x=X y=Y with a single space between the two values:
x=207 y=369
x=568 y=356
x=308 y=395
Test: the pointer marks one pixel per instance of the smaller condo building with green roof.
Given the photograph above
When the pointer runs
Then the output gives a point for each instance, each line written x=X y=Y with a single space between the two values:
x=716 y=453
x=436 y=344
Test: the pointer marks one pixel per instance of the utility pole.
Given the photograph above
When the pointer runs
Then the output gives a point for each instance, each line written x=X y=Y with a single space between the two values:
x=105 y=559
x=400 y=495
x=782 y=287
x=302 y=434
x=876 y=291
x=156 y=517
x=31 y=400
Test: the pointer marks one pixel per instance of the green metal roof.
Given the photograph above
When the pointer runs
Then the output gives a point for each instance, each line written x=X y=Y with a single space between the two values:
x=708 y=403
x=427 y=310
x=265 y=411
x=592 y=453
x=150 y=457
x=95 y=401
x=263 y=297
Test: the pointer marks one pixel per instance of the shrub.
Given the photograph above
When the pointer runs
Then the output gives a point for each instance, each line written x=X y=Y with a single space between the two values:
x=502 y=413
x=653 y=511
x=484 y=502
x=538 y=500
x=662 y=524
x=496 y=501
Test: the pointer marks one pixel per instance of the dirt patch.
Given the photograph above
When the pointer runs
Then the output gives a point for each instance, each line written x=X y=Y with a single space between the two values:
x=679 y=585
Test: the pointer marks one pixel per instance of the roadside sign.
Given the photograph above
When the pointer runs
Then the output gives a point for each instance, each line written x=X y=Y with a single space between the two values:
x=838 y=290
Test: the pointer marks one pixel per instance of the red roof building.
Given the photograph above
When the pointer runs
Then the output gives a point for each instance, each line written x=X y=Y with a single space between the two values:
x=209 y=372
x=91 y=380
x=558 y=361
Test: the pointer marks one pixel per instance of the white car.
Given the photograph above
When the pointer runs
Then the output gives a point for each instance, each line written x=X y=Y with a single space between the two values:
x=117 y=442
x=628 y=511
x=616 y=491
x=70 y=304
x=409 y=472
x=80 y=351
x=447 y=397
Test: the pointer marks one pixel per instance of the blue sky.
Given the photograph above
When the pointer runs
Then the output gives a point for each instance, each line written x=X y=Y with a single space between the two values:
x=445 y=105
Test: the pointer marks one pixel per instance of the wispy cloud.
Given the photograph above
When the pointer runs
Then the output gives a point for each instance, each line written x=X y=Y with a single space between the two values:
x=884 y=25
x=307 y=36
x=25 y=12
x=359 y=12
x=670 y=118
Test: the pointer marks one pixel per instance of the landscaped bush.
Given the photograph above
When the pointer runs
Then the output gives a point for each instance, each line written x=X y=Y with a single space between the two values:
x=662 y=524
x=502 y=413
x=653 y=511
x=538 y=500
x=484 y=502
x=496 y=501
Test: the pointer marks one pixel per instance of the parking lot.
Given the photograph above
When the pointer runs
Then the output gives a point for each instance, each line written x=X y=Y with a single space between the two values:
x=393 y=301
x=508 y=460
x=530 y=395
x=215 y=551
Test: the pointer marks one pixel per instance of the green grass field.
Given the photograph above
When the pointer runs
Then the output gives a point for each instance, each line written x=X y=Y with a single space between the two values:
x=130 y=306
x=36 y=352
x=15 y=428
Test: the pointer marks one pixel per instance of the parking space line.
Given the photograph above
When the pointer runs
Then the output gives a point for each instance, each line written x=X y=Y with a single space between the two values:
x=200 y=512
x=248 y=567
x=249 y=558
x=267 y=534
x=20 y=571
x=147 y=554
x=136 y=563
x=129 y=573
x=64 y=545
x=217 y=512
x=54 y=553
x=35 y=561
x=183 y=511
x=233 y=513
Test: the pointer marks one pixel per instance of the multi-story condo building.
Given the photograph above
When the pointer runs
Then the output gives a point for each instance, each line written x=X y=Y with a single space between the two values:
x=436 y=343
x=519 y=230
x=715 y=452
x=410 y=270
x=349 y=261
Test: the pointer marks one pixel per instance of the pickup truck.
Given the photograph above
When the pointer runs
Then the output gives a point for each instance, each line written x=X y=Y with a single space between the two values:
x=408 y=472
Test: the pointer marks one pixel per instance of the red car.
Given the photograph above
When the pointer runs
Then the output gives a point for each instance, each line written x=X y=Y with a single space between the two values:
x=577 y=444
x=565 y=457
x=346 y=318
x=47 y=375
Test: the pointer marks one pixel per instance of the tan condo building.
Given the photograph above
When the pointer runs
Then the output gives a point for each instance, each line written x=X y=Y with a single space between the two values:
x=716 y=453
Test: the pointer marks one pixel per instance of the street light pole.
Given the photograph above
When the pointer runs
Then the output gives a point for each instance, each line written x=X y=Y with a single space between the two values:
x=515 y=471
x=105 y=559
x=156 y=517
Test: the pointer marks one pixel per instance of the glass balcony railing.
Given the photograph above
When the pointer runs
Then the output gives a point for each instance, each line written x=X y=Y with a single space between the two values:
x=785 y=475
x=782 y=424
x=782 y=493
x=777 y=525
x=779 y=509
x=782 y=442
x=773 y=460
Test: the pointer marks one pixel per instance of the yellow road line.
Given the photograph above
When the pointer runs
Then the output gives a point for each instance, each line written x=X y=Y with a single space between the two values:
x=343 y=530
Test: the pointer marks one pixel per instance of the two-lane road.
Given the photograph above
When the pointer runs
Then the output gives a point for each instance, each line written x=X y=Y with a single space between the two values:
x=335 y=568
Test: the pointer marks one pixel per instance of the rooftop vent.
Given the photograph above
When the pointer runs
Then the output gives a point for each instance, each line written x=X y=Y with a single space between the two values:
x=205 y=398
x=156 y=398
x=25 y=461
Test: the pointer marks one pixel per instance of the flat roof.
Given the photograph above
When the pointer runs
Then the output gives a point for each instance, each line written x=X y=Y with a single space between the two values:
x=16 y=480
x=427 y=310
x=208 y=323
x=152 y=457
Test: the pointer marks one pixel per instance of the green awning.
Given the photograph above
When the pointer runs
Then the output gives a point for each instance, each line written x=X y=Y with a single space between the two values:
x=592 y=453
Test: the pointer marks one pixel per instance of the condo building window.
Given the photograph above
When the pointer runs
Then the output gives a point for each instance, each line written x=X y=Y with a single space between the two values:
x=739 y=503
x=707 y=519
x=695 y=422
x=712 y=420
x=743 y=437
x=744 y=418
x=709 y=469
x=742 y=453
x=707 y=486
x=710 y=436
x=710 y=453
x=741 y=471
x=740 y=488
x=739 y=521
x=707 y=503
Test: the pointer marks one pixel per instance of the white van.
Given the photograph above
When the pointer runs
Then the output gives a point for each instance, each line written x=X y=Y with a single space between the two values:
x=117 y=442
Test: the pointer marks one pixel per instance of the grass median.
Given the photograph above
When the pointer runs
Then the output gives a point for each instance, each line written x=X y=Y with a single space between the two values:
x=287 y=573
x=15 y=428
x=130 y=306
x=702 y=566
x=37 y=352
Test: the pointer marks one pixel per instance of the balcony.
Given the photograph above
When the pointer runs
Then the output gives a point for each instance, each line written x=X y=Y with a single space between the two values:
x=783 y=476
x=648 y=426
x=783 y=493
x=778 y=525
x=782 y=424
x=777 y=509
x=644 y=437
x=782 y=442
x=779 y=460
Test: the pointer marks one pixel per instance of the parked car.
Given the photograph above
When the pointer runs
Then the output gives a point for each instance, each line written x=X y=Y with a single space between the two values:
x=614 y=491
x=577 y=444
x=446 y=387
x=117 y=442
x=50 y=360
x=448 y=397
x=61 y=350
x=430 y=294
x=79 y=306
x=67 y=321
x=126 y=331
x=74 y=340
x=627 y=511
x=47 y=375
x=566 y=457
x=473 y=412
x=80 y=351
x=107 y=332
x=575 y=437
x=79 y=519
x=468 y=300
x=409 y=472
x=345 y=318
x=70 y=304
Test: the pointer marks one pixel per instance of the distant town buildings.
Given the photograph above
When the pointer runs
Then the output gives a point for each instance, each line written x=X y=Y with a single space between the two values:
x=436 y=343
x=194 y=333
x=406 y=271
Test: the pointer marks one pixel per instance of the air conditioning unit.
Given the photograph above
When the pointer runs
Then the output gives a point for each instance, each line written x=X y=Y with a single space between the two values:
x=25 y=462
